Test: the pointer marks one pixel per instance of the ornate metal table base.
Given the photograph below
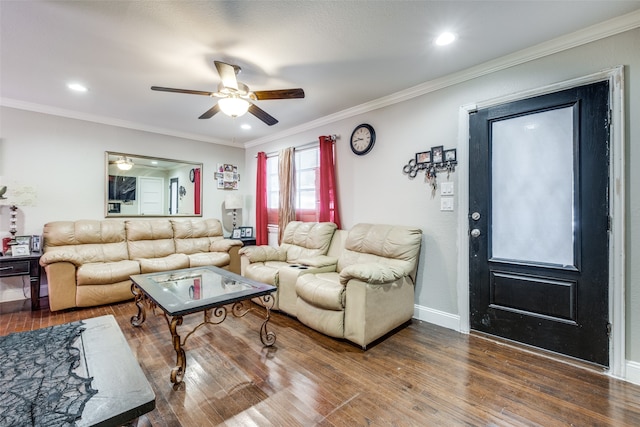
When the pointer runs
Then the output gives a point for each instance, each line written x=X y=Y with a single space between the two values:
x=213 y=316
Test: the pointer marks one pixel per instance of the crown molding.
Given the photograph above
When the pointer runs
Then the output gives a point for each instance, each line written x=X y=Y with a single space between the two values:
x=581 y=37
x=595 y=32
x=71 y=114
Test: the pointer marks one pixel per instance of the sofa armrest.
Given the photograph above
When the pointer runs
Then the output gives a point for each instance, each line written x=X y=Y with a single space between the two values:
x=60 y=256
x=318 y=261
x=224 y=245
x=372 y=273
x=263 y=253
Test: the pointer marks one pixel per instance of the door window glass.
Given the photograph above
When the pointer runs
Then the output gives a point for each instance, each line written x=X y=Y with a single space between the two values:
x=532 y=185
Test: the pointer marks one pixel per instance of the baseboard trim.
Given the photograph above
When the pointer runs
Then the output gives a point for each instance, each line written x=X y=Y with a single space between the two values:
x=632 y=373
x=437 y=317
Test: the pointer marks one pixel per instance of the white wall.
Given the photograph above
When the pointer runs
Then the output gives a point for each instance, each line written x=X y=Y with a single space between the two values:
x=372 y=188
x=64 y=159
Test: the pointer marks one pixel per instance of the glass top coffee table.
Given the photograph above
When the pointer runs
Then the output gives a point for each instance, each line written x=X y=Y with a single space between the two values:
x=211 y=290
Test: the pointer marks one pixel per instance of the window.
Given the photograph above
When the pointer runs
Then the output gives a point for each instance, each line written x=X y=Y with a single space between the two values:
x=273 y=190
x=307 y=176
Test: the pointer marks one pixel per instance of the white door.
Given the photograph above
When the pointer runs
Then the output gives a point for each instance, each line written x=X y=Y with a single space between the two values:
x=151 y=196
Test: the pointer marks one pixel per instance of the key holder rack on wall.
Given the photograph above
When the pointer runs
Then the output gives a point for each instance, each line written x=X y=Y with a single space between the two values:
x=432 y=162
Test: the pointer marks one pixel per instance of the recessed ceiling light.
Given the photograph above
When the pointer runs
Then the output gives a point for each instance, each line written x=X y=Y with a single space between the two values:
x=445 y=39
x=77 y=87
x=245 y=126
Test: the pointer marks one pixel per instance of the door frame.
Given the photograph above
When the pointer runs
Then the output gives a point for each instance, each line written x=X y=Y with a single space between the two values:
x=615 y=76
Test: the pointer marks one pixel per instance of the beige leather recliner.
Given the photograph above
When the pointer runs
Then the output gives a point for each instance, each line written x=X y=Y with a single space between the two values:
x=371 y=290
x=303 y=249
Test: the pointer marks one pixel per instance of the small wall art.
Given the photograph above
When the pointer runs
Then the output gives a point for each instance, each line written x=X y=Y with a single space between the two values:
x=227 y=176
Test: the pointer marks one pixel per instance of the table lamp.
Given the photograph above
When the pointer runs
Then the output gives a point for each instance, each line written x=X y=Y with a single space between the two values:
x=233 y=202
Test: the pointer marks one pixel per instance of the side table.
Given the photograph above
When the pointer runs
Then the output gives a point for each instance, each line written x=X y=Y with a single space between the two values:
x=24 y=265
x=247 y=241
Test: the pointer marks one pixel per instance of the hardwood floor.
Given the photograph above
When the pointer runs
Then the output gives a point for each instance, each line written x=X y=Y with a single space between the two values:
x=423 y=375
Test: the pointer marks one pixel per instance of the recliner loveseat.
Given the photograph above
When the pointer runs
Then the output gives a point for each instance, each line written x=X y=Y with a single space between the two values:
x=361 y=288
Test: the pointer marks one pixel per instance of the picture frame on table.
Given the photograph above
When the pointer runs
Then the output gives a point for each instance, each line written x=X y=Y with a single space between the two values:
x=36 y=243
x=437 y=154
x=247 y=232
x=23 y=240
x=236 y=233
x=20 y=250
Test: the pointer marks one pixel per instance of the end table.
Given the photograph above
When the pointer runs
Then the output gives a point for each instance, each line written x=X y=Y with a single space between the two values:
x=24 y=265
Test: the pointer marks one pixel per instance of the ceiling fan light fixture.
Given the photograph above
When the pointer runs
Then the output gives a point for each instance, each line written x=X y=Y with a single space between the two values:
x=445 y=39
x=124 y=163
x=233 y=106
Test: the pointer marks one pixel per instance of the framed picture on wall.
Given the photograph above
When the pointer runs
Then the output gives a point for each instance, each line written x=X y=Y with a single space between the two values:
x=450 y=155
x=437 y=154
x=423 y=158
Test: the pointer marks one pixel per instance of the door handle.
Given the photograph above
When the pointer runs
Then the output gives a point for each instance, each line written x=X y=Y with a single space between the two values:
x=475 y=233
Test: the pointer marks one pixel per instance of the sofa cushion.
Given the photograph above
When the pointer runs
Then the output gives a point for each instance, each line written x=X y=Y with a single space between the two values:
x=85 y=241
x=265 y=272
x=306 y=239
x=322 y=290
x=196 y=227
x=106 y=273
x=218 y=259
x=390 y=245
x=150 y=238
x=170 y=262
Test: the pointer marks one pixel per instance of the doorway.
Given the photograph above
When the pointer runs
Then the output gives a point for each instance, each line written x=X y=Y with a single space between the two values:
x=539 y=221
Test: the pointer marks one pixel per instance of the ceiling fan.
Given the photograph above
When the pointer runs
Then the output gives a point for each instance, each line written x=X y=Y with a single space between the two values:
x=235 y=97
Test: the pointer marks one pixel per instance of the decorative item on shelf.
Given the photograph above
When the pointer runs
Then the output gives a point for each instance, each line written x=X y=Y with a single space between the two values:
x=233 y=202
x=431 y=162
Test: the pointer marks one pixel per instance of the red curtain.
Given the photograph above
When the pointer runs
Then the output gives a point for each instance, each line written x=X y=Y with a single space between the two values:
x=262 y=232
x=328 y=188
x=196 y=189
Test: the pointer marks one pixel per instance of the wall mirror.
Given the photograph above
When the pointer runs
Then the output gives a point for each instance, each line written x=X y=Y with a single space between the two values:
x=150 y=186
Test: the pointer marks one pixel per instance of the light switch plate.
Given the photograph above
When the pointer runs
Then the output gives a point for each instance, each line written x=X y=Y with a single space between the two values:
x=446 y=188
x=446 y=203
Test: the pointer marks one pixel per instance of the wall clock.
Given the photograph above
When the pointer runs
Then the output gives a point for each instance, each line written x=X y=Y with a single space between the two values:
x=362 y=139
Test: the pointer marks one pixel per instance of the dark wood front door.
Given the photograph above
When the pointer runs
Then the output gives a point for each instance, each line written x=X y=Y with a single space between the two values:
x=539 y=220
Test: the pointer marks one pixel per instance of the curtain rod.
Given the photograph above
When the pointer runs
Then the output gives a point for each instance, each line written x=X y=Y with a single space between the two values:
x=301 y=147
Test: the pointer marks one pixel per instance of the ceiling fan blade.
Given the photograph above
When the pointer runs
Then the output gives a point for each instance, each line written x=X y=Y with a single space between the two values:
x=279 y=94
x=210 y=112
x=191 y=92
x=262 y=115
x=227 y=74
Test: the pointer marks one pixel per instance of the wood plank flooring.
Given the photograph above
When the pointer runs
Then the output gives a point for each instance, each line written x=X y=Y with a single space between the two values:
x=422 y=375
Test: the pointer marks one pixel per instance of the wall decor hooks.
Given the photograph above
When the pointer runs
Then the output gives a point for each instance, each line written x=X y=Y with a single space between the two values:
x=431 y=162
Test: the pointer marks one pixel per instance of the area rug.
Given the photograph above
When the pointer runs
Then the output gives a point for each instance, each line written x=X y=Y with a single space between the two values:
x=38 y=385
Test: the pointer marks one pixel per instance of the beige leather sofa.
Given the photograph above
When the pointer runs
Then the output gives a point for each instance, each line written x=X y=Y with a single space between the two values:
x=361 y=289
x=89 y=262
x=302 y=243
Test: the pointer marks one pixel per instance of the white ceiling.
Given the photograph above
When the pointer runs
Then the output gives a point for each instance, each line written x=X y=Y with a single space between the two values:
x=343 y=54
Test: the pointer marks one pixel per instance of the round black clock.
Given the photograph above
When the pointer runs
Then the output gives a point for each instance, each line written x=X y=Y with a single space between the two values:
x=192 y=175
x=362 y=139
